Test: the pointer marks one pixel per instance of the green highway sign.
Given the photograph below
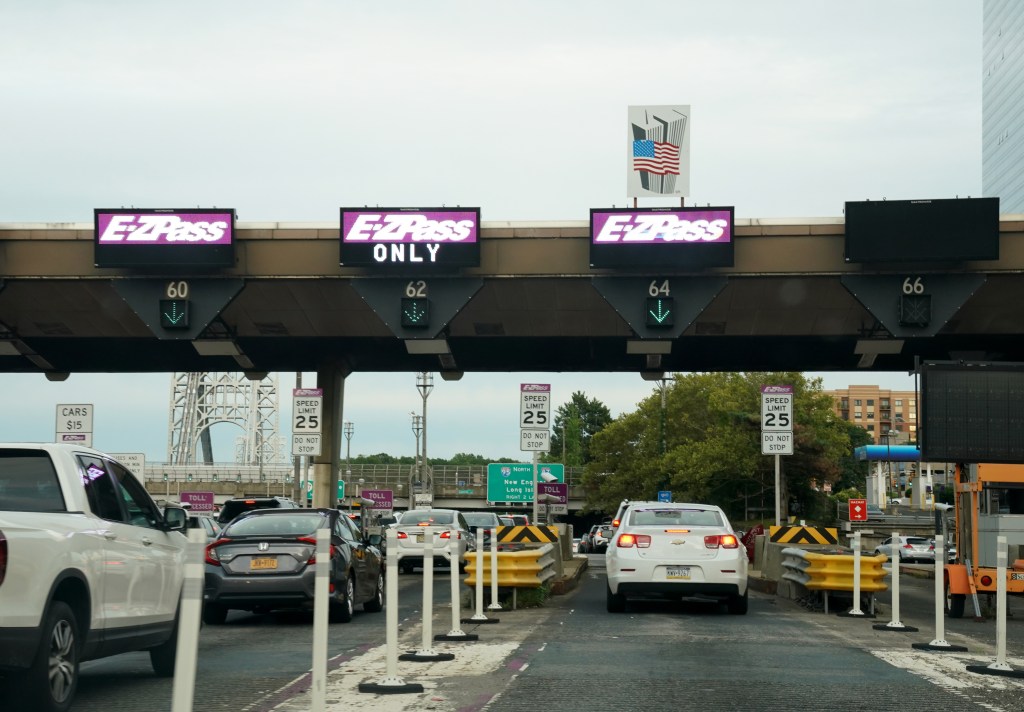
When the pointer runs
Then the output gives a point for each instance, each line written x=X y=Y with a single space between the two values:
x=513 y=481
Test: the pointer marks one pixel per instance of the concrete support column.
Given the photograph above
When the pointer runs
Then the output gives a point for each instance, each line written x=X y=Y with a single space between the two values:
x=330 y=377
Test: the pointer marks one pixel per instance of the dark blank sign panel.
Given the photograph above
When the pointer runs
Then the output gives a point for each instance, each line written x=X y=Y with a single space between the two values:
x=946 y=230
x=972 y=412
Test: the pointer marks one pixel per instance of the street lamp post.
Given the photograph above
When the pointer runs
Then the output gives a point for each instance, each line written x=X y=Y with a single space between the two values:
x=348 y=428
x=425 y=384
x=417 y=428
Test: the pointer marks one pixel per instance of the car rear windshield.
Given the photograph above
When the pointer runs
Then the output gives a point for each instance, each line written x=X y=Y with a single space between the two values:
x=687 y=517
x=28 y=482
x=918 y=541
x=481 y=519
x=425 y=517
x=304 y=524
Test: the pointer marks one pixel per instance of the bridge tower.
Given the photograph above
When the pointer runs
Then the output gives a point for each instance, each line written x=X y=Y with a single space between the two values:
x=200 y=400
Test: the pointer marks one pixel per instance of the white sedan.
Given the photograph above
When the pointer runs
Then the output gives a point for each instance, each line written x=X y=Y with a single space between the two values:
x=676 y=550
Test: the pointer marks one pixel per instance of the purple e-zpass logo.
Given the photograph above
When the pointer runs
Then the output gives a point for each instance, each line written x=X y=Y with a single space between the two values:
x=133 y=228
x=625 y=227
x=400 y=226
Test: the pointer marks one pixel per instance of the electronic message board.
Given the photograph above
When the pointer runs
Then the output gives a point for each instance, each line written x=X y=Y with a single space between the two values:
x=410 y=240
x=946 y=230
x=663 y=238
x=972 y=412
x=164 y=238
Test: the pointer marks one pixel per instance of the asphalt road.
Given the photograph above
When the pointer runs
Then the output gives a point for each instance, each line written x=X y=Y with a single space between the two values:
x=573 y=654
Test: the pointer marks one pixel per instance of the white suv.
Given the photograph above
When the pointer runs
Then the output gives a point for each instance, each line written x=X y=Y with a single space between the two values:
x=676 y=550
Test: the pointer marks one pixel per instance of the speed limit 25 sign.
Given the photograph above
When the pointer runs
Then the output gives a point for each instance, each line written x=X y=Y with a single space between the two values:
x=307 y=410
x=535 y=406
x=776 y=408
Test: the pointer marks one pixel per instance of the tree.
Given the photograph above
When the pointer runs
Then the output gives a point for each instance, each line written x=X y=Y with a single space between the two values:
x=713 y=446
x=575 y=424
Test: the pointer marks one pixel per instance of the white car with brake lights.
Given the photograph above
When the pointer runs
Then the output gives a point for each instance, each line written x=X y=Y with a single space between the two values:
x=676 y=550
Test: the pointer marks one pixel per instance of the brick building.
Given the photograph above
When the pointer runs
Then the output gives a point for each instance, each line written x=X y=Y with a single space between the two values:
x=879 y=411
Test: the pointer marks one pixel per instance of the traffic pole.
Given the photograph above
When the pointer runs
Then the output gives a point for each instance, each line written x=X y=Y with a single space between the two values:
x=391 y=683
x=456 y=633
x=189 y=615
x=321 y=605
x=895 y=624
x=426 y=653
x=855 y=611
x=479 y=616
x=495 y=606
x=1000 y=666
x=939 y=642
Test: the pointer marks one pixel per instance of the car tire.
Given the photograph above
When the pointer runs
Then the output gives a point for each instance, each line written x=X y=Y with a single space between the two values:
x=954 y=602
x=616 y=602
x=738 y=605
x=163 y=656
x=376 y=604
x=214 y=614
x=341 y=612
x=50 y=682
x=405 y=568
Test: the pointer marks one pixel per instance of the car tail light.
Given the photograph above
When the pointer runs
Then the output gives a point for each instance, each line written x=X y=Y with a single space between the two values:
x=931 y=547
x=616 y=522
x=3 y=557
x=640 y=541
x=212 y=557
x=725 y=541
x=908 y=546
x=447 y=534
x=312 y=557
x=402 y=535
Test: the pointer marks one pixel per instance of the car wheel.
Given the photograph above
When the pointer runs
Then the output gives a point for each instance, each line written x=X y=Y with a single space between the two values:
x=163 y=656
x=405 y=568
x=737 y=605
x=341 y=612
x=376 y=604
x=616 y=602
x=51 y=680
x=954 y=602
x=214 y=614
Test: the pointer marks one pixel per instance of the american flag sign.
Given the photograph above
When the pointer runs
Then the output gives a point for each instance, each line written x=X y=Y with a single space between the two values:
x=656 y=157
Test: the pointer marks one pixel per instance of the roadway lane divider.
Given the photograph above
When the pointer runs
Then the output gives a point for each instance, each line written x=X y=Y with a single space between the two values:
x=190 y=613
x=479 y=616
x=939 y=643
x=426 y=653
x=1000 y=666
x=455 y=561
x=895 y=624
x=391 y=683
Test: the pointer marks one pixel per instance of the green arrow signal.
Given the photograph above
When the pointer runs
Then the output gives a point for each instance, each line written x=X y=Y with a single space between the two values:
x=415 y=312
x=659 y=312
x=174 y=313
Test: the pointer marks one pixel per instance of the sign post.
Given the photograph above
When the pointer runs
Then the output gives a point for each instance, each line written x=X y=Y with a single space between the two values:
x=777 y=432
x=534 y=425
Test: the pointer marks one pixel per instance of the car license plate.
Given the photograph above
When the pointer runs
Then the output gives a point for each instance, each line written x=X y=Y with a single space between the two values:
x=419 y=538
x=262 y=564
x=678 y=572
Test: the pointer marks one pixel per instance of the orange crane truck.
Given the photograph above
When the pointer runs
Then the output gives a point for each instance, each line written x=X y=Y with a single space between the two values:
x=988 y=503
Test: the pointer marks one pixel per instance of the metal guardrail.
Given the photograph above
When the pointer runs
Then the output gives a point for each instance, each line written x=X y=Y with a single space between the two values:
x=833 y=572
x=525 y=568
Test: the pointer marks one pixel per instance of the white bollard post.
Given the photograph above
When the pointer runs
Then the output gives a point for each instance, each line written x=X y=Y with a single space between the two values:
x=939 y=642
x=391 y=683
x=426 y=651
x=479 y=616
x=495 y=606
x=189 y=615
x=895 y=624
x=455 y=560
x=1000 y=666
x=855 y=611
x=321 y=608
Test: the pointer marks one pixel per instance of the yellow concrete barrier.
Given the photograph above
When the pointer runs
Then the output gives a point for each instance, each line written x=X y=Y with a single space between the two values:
x=527 y=568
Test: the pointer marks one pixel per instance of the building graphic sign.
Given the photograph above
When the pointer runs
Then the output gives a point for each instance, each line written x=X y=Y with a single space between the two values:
x=658 y=151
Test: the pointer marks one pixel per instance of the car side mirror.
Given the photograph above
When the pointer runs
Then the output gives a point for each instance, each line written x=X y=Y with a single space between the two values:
x=375 y=540
x=176 y=518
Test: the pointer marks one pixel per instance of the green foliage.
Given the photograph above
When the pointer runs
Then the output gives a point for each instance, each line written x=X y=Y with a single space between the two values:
x=573 y=428
x=525 y=597
x=712 y=447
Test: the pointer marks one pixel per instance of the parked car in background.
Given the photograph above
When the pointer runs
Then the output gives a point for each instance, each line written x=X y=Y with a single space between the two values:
x=514 y=520
x=445 y=524
x=487 y=521
x=264 y=560
x=907 y=548
x=237 y=505
x=672 y=550
x=950 y=551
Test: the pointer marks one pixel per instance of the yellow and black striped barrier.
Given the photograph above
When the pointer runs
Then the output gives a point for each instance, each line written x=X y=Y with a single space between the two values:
x=527 y=535
x=825 y=536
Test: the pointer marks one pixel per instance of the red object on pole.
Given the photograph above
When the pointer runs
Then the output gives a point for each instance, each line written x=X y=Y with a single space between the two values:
x=858 y=510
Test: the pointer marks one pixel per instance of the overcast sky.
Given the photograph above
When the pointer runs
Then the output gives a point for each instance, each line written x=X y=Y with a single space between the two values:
x=288 y=111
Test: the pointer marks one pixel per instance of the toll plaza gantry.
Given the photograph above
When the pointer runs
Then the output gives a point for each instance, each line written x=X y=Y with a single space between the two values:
x=436 y=289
